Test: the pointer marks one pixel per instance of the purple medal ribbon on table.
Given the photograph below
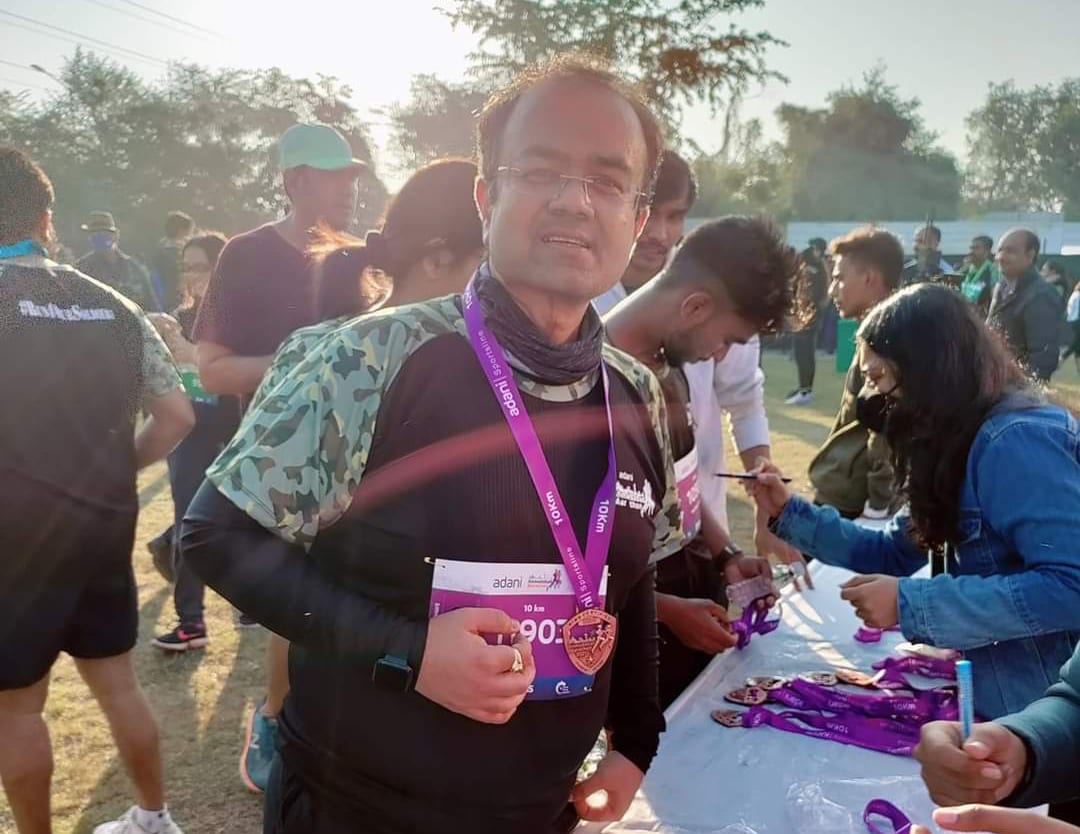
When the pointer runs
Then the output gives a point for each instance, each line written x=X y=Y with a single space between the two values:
x=883 y=808
x=926 y=705
x=892 y=670
x=865 y=634
x=588 y=653
x=753 y=621
x=844 y=730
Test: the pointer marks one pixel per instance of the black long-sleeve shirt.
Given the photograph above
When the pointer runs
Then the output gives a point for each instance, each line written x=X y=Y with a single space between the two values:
x=386 y=449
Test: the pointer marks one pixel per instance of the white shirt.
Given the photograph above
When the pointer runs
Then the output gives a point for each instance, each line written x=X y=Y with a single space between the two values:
x=735 y=385
x=607 y=302
x=1072 y=312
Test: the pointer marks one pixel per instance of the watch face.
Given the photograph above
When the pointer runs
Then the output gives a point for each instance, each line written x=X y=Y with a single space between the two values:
x=392 y=673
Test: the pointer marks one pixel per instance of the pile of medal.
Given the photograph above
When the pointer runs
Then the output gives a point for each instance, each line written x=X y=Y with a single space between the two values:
x=886 y=716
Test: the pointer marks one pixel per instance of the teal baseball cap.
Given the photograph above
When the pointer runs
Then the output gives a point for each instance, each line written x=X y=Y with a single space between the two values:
x=316 y=146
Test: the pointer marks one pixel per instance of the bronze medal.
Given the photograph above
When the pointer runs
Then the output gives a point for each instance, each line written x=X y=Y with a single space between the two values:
x=854 y=677
x=727 y=717
x=750 y=696
x=820 y=678
x=767 y=683
x=589 y=639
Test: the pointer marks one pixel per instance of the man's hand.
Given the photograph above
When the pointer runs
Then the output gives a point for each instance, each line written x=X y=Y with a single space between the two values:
x=461 y=672
x=741 y=568
x=767 y=543
x=700 y=624
x=986 y=768
x=991 y=820
x=617 y=777
x=874 y=598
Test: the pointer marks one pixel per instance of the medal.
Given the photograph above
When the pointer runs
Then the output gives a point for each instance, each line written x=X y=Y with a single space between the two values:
x=820 y=678
x=727 y=717
x=589 y=637
x=853 y=677
x=766 y=683
x=750 y=696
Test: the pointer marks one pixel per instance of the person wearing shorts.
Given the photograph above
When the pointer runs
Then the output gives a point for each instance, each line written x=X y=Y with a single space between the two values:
x=81 y=361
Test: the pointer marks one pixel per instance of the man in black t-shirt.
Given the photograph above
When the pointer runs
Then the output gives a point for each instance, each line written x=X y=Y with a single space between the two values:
x=730 y=280
x=80 y=362
x=384 y=467
x=260 y=292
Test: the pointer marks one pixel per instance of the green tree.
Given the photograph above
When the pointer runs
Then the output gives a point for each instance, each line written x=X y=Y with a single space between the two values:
x=202 y=141
x=866 y=154
x=743 y=177
x=1024 y=149
x=438 y=120
x=671 y=49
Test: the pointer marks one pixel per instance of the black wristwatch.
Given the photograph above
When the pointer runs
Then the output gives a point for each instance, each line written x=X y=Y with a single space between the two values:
x=392 y=673
x=730 y=551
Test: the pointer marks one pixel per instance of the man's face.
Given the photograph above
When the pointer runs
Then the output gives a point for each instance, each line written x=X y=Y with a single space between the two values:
x=102 y=241
x=330 y=196
x=854 y=289
x=1013 y=256
x=979 y=252
x=544 y=233
x=663 y=231
x=706 y=325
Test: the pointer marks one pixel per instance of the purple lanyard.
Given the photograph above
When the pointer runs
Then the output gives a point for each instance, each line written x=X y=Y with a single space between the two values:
x=844 y=730
x=753 y=621
x=892 y=670
x=865 y=634
x=501 y=379
x=883 y=808
x=927 y=705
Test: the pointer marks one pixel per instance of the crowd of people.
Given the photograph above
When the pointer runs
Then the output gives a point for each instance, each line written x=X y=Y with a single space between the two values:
x=518 y=382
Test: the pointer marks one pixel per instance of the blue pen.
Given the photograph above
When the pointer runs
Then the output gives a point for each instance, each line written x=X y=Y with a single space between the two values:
x=967 y=697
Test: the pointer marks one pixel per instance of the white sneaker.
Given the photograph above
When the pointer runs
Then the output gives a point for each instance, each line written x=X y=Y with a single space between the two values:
x=128 y=824
x=803 y=397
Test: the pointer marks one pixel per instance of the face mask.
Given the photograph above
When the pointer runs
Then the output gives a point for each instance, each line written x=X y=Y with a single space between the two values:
x=872 y=411
x=101 y=241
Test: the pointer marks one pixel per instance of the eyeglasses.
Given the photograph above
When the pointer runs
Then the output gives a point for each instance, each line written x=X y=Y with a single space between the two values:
x=549 y=184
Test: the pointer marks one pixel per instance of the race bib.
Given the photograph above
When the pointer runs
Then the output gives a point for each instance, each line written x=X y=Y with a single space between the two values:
x=538 y=596
x=686 y=476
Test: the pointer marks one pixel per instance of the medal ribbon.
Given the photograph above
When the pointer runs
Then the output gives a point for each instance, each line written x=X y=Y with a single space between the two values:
x=753 y=621
x=496 y=368
x=883 y=808
x=849 y=730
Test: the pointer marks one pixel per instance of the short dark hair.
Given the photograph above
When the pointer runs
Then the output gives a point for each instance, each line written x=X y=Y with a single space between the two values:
x=674 y=178
x=933 y=231
x=1057 y=267
x=25 y=195
x=580 y=67
x=178 y=224
x=210 y=243
x=750 y=260
x=818 y=241
x=874 y=247
x=1032 y=242
x=984 y=240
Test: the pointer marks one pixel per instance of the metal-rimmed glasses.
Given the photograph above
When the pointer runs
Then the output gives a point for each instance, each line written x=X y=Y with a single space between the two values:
x=550 y=184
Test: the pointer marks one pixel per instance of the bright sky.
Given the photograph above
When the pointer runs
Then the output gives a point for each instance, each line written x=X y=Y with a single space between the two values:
x=943 y=52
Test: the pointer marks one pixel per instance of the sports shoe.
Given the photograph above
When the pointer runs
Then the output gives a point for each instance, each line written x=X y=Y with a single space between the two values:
x=161 y=553
x=245 y=620
x=185 y=636
x=803 y=397
x=129 y=824
x=260 y=742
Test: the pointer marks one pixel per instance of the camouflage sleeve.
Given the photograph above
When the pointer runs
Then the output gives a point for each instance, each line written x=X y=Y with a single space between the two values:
x=669 y=534
x=300 y=451
x=159 y=374
x=289 y=354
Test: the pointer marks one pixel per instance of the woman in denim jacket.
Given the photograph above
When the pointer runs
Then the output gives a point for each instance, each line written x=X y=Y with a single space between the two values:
x=990 y=469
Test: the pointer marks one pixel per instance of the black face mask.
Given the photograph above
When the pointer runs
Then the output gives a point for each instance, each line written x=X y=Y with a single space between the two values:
x=873 y=411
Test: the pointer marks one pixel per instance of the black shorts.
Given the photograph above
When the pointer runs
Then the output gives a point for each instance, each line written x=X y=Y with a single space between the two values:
x=66 y=585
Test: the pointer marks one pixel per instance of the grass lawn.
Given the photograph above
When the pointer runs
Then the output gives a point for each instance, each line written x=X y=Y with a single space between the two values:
x=201 y=698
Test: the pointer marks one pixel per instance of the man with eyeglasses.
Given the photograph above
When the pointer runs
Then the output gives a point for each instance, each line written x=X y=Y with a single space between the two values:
x=451 y=509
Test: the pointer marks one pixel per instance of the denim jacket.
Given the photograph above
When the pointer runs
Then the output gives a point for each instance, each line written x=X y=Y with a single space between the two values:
x=1011 y=598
